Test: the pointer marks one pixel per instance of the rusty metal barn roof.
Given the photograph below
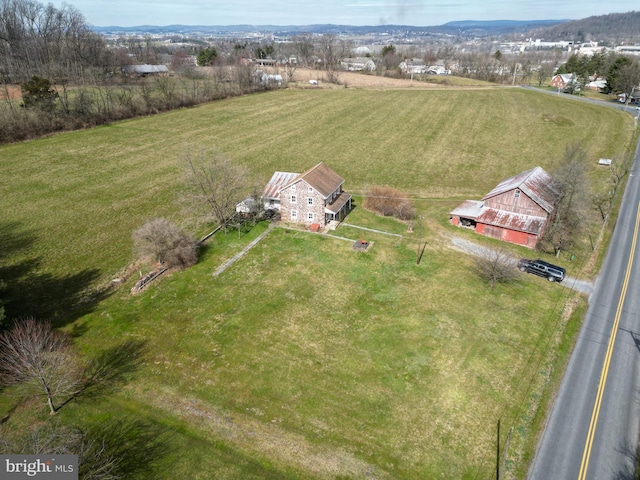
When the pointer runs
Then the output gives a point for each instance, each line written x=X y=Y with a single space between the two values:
x=535 y=183
x=512 y=221
x=278 y=180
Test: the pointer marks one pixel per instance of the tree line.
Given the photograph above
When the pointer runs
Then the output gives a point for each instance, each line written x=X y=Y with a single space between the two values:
x=57 y=74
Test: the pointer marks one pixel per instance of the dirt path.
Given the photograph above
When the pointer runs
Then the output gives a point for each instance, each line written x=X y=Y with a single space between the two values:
x=268 y=439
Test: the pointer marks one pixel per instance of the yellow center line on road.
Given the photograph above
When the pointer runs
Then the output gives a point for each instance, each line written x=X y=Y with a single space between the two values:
x=584 y=465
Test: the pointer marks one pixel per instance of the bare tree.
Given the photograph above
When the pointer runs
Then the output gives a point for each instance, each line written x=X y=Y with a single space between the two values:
x=495 y=266
x=544 y=71
x=166 y=243
x=331 y=56
x=217 y=183
x=603 y=201
x=303 y=45
x=572 y=187
x=41 y=361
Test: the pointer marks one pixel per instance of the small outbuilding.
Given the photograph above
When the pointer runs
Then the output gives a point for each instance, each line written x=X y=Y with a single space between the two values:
x=247 y=206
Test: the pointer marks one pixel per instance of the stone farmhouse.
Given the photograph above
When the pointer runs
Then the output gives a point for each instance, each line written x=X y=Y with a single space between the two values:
x=515 y=211
x=314 y=197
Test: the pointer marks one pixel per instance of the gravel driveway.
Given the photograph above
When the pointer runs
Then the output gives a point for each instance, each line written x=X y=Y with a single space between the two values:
x=472 y=248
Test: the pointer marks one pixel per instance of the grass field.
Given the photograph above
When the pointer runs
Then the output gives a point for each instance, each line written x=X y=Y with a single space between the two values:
x=306 y=359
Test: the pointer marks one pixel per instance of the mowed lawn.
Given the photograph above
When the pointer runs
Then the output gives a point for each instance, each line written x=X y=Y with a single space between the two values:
x=308 y=356
x=306 y=359
x=76 y=197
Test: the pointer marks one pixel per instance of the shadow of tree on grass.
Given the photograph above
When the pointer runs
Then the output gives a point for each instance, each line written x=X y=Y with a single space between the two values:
x=112 y=368
x=133 y=447
x=27 y=291
x=114 y=448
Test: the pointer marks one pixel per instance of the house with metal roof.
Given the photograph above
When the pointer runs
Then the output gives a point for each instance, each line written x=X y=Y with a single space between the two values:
x=314 y=197
x=515 y=211
x=271 y=192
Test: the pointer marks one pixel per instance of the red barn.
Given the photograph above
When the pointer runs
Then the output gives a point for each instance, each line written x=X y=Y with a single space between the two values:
x=516 y=211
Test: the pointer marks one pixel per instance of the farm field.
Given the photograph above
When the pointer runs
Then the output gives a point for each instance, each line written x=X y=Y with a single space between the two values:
x=305 y=359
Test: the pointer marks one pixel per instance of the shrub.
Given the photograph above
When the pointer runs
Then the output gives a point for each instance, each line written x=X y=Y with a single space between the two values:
x=495 y=266
x=167 y=244
x=389 y=202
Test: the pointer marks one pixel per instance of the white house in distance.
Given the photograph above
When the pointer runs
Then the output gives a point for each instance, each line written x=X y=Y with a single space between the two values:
x=358 y=64
x=415 y=66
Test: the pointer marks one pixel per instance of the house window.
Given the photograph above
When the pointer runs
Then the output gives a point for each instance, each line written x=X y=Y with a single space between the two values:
x=310 y=189
x=310 y=216
x=517 y=193
x=310 y=201
x=293 y=187
x=294 y=214
x=293 y=199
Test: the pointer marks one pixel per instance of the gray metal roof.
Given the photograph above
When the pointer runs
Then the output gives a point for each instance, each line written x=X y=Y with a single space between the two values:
x=144 y=69
x=535 y=183
x=278 y=180
x=468 y=209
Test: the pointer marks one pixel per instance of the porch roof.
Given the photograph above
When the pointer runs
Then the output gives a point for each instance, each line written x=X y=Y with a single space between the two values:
x=338 y=204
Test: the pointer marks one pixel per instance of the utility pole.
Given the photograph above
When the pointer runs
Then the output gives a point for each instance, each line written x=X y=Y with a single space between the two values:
x=498 y=453
x=419 y=241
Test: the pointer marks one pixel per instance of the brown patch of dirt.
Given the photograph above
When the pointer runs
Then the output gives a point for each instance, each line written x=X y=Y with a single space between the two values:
x=302 y=77
x=268 y=439
x=10 y=91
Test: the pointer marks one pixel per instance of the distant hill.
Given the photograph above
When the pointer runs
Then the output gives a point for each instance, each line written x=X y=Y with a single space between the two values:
x=612 y=28
x=496 y=27
x=467 y=28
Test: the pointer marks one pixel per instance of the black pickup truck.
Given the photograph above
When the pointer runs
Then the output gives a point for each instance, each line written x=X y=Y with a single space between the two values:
x=551 y=272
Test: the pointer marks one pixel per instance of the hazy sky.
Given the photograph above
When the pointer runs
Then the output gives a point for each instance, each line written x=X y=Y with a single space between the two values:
x=347 y=12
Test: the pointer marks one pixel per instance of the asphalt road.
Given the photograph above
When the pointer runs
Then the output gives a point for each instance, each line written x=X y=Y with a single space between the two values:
x=631 y=109
x=592 y=432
